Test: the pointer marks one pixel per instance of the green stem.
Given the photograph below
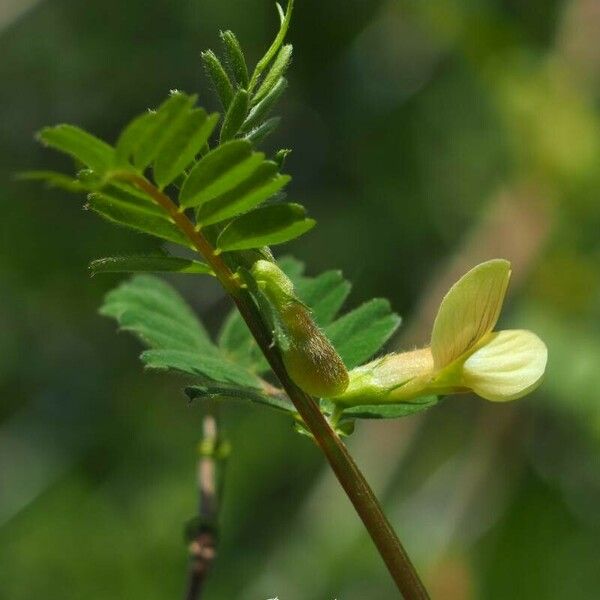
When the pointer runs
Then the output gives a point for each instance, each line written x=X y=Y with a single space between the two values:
x=349 y=475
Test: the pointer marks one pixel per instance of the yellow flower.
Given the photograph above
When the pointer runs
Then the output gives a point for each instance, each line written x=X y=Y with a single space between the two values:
x=465 y=353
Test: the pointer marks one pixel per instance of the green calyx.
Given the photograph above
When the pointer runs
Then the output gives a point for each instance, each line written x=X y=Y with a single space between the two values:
x=309 y=357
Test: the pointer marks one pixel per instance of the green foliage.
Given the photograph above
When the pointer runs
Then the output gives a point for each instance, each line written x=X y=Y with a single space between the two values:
x=280 y=157
x=389 y=411
x=261 y=185
x=264 y=62
x=131 y=139
x=222 y=391
x=153 y=263
x=236 y=341
x=218 y=172
x=258 y=134
x=81 y=145
x=367 y=327
x=235 y=115
x=208 y=365
x=325 y=295
x=53 y=179
x=360 y=333
x=182 y=145
x=235 y=58
x=275 y=74
x=145 y=298
x=143 y=141
x=265 y=226
x=262 y=109
x=154 y=312
x=141 y=216
x=219 y=77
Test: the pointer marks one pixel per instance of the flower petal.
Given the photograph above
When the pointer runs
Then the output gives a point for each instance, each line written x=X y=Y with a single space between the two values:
x=469 y=311
x=510 y=365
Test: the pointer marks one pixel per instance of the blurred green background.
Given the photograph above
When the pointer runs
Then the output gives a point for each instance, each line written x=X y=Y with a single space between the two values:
x=427 y=136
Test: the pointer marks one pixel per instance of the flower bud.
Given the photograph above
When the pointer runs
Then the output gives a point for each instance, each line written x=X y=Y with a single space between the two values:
x=309 y=357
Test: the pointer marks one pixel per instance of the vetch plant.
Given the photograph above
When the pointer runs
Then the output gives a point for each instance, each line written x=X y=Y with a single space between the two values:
x=198 y=182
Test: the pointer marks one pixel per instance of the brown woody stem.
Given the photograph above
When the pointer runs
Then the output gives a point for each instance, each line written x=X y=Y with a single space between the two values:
x=202 y=545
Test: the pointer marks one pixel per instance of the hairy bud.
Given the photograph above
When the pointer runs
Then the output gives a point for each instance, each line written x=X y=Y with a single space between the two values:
x=309 y=357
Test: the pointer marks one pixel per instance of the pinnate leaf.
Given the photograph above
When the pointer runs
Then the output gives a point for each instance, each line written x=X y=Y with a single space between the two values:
x=265 y=226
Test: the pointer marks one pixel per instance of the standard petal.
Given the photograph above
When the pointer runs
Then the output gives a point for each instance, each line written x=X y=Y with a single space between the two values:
x=469 y=311
x=510 y=365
